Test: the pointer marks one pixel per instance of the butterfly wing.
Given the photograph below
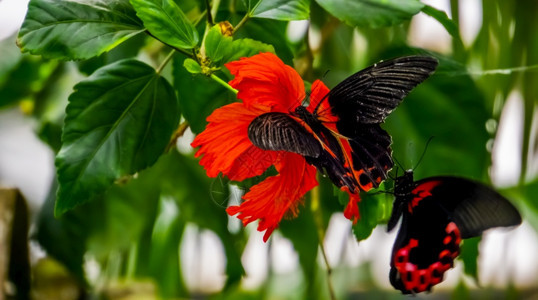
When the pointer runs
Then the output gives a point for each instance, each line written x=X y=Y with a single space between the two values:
x=473 y=206
x=370 y=95
x=278 y=131
x=362 y=101
x=440 y=212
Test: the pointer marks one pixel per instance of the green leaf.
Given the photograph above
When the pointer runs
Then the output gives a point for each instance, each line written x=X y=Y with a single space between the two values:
x=302 y=232
x=63 y=238
x=269 y=32
x=372 y=13
x=164 y=253
x=284 y=10
x=76 y=29
x=202 y=201
x=441 y=16
x=166 y=21
x=245 y=48
x=199 y=96
x=128 y=49
x=192 y=66
x=374 y=208
x=11 y=57
x=220 y=48
x=118 y=122
x=27 y=78
x=469 y=256
x=217 y=44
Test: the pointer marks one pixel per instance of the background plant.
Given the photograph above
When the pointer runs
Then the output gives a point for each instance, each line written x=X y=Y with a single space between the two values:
x=137 y=74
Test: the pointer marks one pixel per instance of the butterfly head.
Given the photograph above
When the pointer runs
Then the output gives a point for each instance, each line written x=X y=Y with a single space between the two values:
x=404 y=184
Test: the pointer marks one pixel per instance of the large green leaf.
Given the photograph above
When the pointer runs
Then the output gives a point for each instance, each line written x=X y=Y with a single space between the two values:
x=285 y=10
x=202 y=201
x=164 y=253
x=469 y=256
x=372 y=13
x=165 y=20
x=270 y=32
x=220 y=48
x=118 y=122
x=303 y=234
x=199 y=96
x=77 y=29
x=27 y=78
x=64 y=238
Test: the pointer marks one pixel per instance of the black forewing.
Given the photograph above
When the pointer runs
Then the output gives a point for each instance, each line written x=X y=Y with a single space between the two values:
x=278 y=131
x=370 y=95
x=473 y=206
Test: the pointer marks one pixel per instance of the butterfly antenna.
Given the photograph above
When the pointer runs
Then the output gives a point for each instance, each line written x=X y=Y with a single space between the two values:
x=325 y=74
x=399 y=164
x=423 y=152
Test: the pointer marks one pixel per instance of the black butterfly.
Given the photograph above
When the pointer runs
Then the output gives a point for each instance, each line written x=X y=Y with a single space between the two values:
x=341 y=135
x=437 y=213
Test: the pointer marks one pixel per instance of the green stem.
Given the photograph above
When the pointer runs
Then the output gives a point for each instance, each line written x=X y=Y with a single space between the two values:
x=215 y=9
x=318 y=218
x=223 y=83
x=166 y=61
x=177 y=134
x=182 y=51
x=209 y=15
x=241 y=23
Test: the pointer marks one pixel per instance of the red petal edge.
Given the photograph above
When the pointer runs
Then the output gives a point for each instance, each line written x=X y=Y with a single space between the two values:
x=351 y=211
x=263 y=79
x=277 y=195
x=225 y=145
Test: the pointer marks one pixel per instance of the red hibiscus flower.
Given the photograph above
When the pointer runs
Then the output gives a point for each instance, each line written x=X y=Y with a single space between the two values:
x=265 y=84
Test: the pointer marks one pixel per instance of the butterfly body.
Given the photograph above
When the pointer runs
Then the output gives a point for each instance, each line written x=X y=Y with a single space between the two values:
x=341 y=135
x=437 y=213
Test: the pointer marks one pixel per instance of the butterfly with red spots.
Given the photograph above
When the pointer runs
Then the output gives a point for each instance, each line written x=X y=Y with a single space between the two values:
x=437 y=213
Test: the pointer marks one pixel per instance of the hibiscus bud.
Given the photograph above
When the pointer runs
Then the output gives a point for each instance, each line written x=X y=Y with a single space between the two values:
x=226 y=28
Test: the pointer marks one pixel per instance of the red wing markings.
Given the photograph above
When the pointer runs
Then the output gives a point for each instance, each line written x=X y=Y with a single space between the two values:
x=420 y=280
x=422 y=191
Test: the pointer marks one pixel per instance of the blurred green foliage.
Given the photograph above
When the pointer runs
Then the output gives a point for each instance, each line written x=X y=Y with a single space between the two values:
x=126 y=197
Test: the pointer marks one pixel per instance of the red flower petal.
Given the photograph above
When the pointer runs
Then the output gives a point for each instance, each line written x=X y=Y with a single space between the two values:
x=352 y=209
x=318 y=92
x=225 y=145
x=263 y=79
x=277 y=195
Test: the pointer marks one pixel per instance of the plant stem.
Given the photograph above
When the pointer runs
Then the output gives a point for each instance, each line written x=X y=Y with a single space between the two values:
x=223 y=83
x=241 y=23
x=215 y=9
x=165 y=61
x=209 y=15
x=182 y=51
x=318 y=218
x=177 y=134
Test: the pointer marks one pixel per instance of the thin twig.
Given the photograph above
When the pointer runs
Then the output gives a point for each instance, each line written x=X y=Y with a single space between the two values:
x=318 y=218
x=182 y=51
x=166 y=61
x=177 y=134
x=209 y=15
x=241 y=23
